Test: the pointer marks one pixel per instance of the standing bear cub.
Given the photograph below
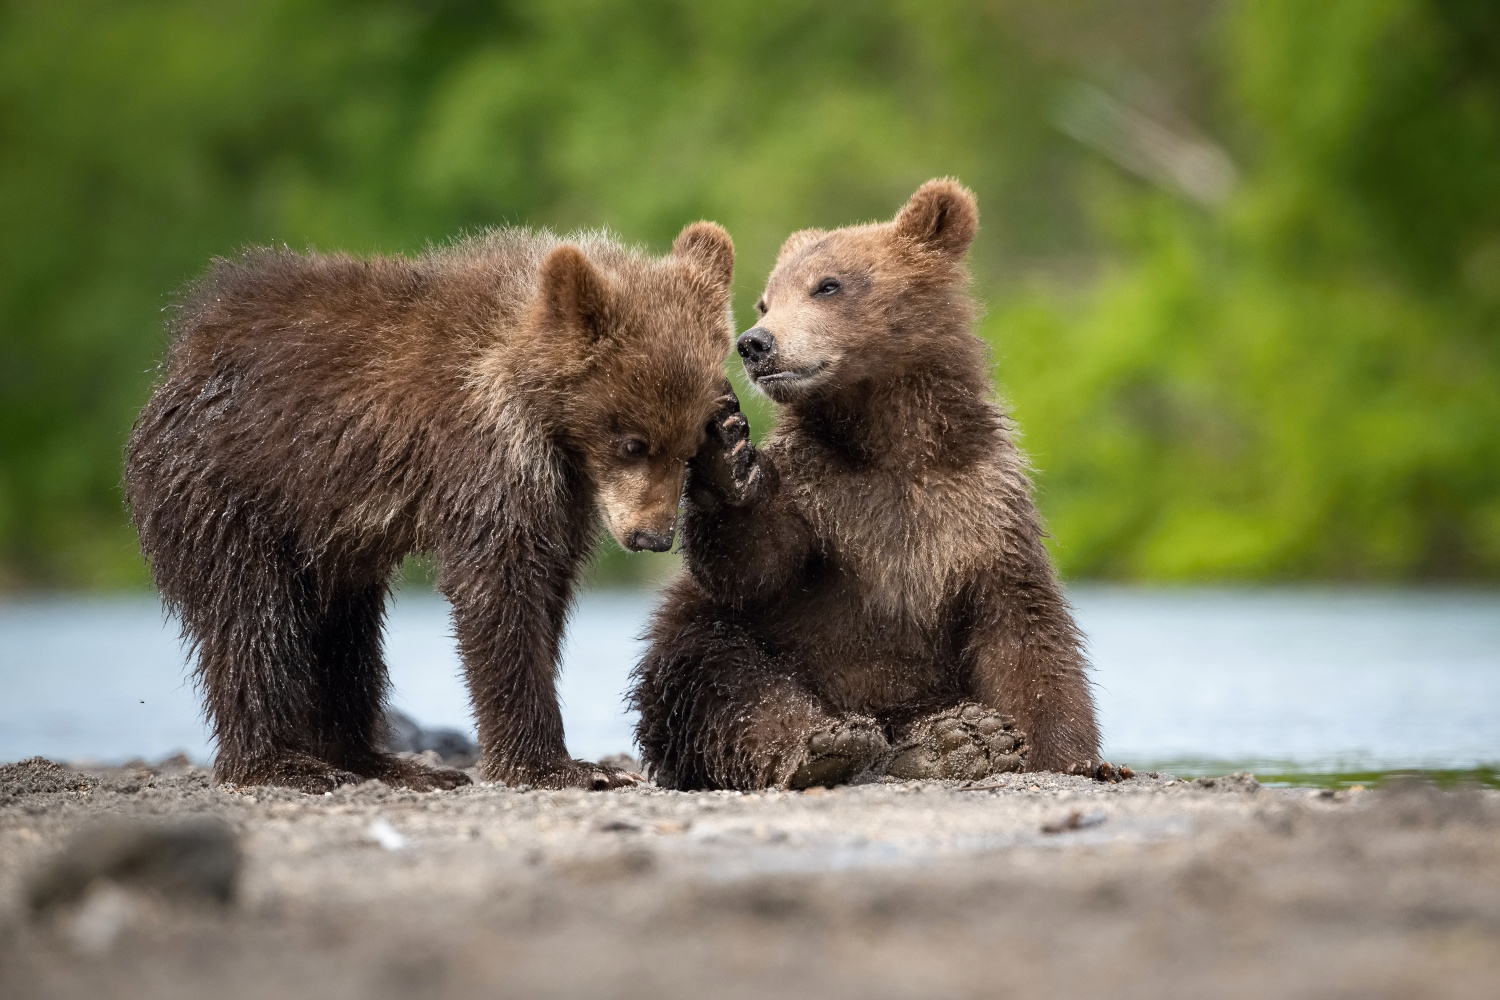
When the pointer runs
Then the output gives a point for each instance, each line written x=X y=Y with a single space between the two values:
x=869 y=591
x=320 y=417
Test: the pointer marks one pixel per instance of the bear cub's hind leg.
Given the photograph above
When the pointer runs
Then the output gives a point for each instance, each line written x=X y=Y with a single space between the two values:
x=966 y=742
x=314 y=693
x=352 y=688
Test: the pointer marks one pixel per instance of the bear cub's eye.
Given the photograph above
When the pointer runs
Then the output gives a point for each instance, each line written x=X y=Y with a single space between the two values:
x=760 y=307
x=828 y=286
x=633 y=448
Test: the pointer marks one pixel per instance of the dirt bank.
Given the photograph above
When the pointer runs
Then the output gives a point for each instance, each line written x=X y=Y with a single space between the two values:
x=1151 y=888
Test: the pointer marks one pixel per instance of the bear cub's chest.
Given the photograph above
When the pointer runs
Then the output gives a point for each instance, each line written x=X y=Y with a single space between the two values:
x=907 y=541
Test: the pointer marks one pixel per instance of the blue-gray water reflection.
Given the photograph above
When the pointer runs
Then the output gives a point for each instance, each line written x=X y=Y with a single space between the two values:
x=1316 y=679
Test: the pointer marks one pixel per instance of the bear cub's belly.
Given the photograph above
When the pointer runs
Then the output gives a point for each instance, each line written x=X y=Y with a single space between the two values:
x=858 y=661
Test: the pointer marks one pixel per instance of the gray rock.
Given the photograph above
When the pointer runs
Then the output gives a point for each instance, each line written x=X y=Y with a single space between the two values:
x=197 y=858
x=404 y=735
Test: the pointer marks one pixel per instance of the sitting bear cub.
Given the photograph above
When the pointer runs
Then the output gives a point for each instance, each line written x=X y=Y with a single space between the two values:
x=491 y=403
x=869 y=591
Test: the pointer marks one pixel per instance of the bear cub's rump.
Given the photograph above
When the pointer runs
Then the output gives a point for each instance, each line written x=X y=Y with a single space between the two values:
x=868 y=591
x=490 y=403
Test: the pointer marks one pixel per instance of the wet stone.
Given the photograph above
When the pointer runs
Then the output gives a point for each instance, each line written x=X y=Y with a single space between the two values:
x=198 y=858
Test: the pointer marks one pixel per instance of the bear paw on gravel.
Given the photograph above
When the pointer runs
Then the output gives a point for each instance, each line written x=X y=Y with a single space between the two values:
x=840 y=751
x=288 y=769
x=575 y=774
x=1101 y=770
x=965 y=742
x=415 y=774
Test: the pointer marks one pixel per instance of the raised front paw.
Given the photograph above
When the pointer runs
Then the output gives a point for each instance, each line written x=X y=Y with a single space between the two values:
x=837 y=752
x=725 y=462
x=966 y=742
x=584 y=774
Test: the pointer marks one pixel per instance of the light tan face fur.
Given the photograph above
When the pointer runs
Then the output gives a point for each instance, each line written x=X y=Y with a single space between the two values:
x=638 y=500
x=844 y=306
x=820 y=306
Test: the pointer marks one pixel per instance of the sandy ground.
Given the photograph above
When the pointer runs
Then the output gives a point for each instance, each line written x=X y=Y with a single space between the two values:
x=1152 y=888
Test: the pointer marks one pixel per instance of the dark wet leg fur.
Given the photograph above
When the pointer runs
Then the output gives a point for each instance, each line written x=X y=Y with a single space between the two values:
x=966 y=742
x=840 y=751
x=290 y=661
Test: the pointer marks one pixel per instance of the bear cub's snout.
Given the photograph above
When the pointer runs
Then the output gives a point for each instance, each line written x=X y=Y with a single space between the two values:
x=650 y=541
x=756 y=346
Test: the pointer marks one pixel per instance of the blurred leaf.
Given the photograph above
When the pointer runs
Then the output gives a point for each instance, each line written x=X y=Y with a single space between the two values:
x=1300 y=380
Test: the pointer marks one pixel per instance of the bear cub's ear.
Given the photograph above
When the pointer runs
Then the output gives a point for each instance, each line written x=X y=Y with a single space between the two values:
x=943 y=215
x=708 y=246
x=574 y=294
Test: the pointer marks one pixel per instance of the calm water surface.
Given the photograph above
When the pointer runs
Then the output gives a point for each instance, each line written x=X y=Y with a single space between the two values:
x=1304 y=679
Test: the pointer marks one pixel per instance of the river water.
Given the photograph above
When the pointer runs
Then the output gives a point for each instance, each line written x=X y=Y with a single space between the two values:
x=1200 y=679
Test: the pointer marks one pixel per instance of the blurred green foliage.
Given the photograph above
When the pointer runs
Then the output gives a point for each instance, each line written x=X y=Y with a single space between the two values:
x=1299 y=379
x=1305 y=382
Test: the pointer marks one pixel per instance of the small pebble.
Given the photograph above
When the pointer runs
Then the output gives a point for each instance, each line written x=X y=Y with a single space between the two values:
x=1075 y=820
x=381 y=832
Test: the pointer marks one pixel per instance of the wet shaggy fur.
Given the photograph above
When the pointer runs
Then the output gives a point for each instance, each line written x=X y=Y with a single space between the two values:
x=320 y=417
x=868 y=591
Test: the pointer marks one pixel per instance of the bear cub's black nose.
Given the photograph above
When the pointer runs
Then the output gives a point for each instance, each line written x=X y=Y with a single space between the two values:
x=755 y=344
x=650 y=541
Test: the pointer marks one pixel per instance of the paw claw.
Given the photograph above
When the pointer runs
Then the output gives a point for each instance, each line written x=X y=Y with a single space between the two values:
x=1101 y=770
x=586 y=775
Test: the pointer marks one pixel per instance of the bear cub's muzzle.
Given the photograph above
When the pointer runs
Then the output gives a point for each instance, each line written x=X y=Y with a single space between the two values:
x=757 y=346
x=649 y=541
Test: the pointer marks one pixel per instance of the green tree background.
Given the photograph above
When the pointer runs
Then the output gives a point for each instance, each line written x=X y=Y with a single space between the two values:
x=1241 y=259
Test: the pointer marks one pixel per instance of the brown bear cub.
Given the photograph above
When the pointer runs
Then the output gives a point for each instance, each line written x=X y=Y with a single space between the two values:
x=869 y=591
x=320 y=417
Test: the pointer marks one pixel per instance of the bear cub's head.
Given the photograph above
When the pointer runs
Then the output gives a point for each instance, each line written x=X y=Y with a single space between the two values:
x=633 y=352
x=847 y=308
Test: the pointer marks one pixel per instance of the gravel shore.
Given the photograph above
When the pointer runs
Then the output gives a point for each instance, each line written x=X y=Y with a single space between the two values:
x=1041 y=885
